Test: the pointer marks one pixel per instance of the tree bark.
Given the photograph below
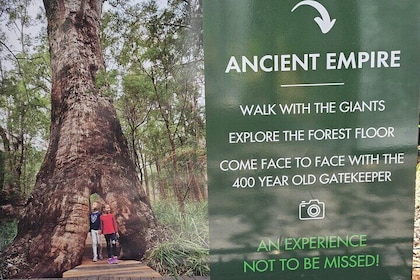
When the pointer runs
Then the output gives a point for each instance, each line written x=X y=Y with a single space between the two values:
x=87 y=154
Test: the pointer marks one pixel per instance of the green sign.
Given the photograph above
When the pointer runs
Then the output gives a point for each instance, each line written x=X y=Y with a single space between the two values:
x=312 y=115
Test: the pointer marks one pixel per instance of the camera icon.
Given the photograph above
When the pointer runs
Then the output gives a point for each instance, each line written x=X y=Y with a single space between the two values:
x=311 y=210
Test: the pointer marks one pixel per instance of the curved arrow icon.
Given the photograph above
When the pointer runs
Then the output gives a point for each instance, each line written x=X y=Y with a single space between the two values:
x=324 y=22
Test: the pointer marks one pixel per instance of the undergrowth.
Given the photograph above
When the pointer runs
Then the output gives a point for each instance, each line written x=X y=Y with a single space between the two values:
x=188 y=250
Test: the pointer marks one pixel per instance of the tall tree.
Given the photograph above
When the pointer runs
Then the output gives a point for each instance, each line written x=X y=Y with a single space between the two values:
x=87 y=154
x=162 y=60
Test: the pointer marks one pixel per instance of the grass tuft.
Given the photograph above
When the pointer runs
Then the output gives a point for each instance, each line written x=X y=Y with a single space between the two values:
x=187 y=252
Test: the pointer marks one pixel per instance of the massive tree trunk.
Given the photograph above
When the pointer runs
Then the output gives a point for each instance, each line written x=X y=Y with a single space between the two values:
x=87 y=154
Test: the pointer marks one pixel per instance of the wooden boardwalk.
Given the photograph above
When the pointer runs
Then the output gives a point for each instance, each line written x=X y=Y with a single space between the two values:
x=125 y=269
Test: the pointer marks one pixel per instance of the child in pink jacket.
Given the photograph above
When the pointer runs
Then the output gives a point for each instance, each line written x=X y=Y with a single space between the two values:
x=110 y=230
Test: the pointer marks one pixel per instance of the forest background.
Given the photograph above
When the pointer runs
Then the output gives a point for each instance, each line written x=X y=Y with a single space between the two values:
x=153 y=52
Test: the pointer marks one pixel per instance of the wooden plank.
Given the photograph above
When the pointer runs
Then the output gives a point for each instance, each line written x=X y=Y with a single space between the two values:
x=123 y=269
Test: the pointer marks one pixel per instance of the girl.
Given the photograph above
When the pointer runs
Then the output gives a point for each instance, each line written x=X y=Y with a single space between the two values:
x=95 y=231
x=110 y=230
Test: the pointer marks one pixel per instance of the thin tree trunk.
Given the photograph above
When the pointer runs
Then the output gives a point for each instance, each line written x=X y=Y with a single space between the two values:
x=205 y=188
x=143 y=167
x=87 y=154
x=196 y=191
x=175 y=174
x=162 y=190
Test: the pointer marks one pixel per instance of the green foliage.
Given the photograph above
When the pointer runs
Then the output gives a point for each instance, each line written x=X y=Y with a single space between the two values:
x=24 y=103
x=8 y=231
x=192 y=224
x=95 y=198
x=24 y=100
x=187 y=252
x=180 y=257
x=159 y=56
x=105 y=82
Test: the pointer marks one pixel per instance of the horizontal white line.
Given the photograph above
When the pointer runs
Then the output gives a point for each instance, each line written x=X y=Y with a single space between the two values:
x=314 y=85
